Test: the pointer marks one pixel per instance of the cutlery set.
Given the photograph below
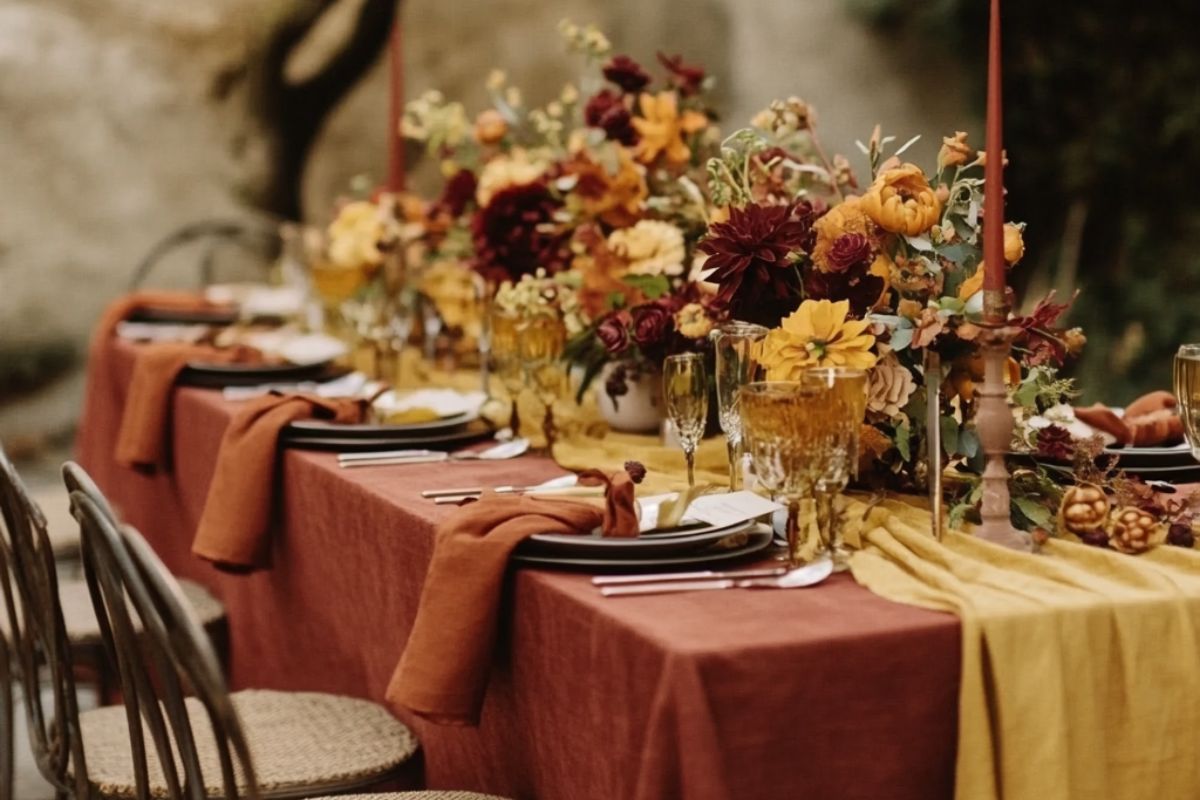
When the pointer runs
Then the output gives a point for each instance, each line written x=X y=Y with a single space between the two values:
x=709 y=580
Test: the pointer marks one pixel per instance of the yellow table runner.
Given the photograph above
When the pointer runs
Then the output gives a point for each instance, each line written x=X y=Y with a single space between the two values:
x=1080 y=666
x=666 y=469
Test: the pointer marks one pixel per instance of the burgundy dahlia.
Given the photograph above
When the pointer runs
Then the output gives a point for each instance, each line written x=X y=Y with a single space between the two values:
x=686 y=78
x=626 y=73
x=607 y=111
x=458 y=193
x=515 y=234
x=749 y=256
x=613 y=333
x=1054 y=441
x=651 y=324
x=856 y=285
x=849 y=250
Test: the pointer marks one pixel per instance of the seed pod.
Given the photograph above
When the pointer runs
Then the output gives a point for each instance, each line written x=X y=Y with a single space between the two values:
x=1133 y=530
x=1084 y=510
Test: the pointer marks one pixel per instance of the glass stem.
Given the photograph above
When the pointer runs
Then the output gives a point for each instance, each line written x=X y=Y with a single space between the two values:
x=690 y=454
x=514 y=420
x=793 y=533
x=830 y=530
x=548 y=427
x=485 y=370
x=734 y=447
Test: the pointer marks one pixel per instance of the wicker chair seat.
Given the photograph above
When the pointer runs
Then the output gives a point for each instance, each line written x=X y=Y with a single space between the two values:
x=79 y=616
x=297 y=740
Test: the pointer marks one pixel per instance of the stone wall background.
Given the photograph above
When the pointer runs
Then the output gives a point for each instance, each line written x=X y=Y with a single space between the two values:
x=114 y=130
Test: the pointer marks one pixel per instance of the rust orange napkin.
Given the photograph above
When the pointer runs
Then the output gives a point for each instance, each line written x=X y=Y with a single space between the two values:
x=235 y=525
x=124 y=307
x=1151 y=420
x=442 y=674
x=142 y=438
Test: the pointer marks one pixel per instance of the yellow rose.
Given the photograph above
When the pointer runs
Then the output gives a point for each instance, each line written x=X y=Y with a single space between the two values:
x=692 y=321
x=1014 y=243
x=817 y=334
x=902 y=201
x=355 y=235
x=846 y=217
x=514 y=169
x=955 y=151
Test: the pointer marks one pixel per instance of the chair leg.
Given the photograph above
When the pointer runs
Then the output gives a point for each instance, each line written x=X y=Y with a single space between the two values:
x=7 y=730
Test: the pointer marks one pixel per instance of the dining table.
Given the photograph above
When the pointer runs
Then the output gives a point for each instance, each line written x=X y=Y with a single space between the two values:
x=824 y=692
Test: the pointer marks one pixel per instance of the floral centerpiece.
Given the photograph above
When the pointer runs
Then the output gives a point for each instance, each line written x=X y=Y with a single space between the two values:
x=882 y=276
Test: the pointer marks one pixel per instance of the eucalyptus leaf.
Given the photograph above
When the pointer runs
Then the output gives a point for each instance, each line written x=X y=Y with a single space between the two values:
x=908 y=144
x=968 y=442
x=901 y=338
x=1035 y=512
x=921 y=243
x=902 y=441
x=949 y=434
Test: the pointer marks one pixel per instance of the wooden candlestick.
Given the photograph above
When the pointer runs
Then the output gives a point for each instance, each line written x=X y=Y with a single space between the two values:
x=994 y=422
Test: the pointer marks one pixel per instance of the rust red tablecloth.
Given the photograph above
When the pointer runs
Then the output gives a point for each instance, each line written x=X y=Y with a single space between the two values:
x=827 y=693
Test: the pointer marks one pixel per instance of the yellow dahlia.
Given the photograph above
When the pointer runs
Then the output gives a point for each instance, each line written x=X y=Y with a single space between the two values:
x=356 y=234
x=818 y=334
x=650 y=247
x=902 y=201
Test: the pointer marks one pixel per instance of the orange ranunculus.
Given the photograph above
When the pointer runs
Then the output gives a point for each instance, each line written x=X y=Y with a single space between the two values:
x=617 y=200
x=902 y=201
x=1014 y=243
x=661 y=128
x=846 y=217
x=490 y=126
x=818 y=334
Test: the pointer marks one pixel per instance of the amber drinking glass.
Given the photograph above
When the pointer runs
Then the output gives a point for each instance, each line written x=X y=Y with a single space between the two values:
x=685 y=391
x=847 y=409
x=788 y=436
x=506 y=358
x=540 y=342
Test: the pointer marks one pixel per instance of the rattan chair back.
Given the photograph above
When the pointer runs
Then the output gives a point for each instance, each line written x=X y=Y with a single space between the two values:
x=160 y=661
x=37 y=637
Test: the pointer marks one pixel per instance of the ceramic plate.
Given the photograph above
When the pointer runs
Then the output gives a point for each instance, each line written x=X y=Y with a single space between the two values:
x=220 y=375
x=372 y=430
x=329 y=439
x=215 y=316
x=640 y=547
x=758 y=541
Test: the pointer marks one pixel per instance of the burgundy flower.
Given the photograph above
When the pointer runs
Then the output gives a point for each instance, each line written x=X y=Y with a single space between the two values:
x=651 y=324
x=636 y=470
x=626 y=73
x=749 y=257
x=607 y=111
x=1054 y=441
x=515 y=234
x=458 y=193
x=849 y=250
x=613 y=333
x=1179 y=534
x=856 y=284
x=685 y=77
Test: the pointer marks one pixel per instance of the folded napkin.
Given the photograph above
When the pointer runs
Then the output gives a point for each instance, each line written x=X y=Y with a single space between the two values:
x=1152 y=420
x=1080 y=666
x=666 y=470
x=142 y=438
x=442 y=674
x=235 y=524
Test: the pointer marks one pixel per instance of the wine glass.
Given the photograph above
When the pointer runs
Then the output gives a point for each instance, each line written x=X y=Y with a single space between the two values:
x=788 y=436
x=505 y=335
x=847 y=409
x=1187 y=393
x=540 y=342
x=734 y=344
x=685 y=390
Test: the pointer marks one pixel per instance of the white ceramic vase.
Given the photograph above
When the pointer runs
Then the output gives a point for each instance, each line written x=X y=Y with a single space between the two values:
x=639 y=410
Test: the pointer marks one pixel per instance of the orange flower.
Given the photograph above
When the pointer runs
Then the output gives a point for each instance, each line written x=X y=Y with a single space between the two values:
x=661 y=128
x=902 y=201
x=1014 y=243
x=846 y=217
x=615 y=199
x=490 y=126
x=955 y=151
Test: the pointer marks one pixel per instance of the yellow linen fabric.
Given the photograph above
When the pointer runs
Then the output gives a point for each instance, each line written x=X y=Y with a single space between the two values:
x=666 y=469
x=1080 y=666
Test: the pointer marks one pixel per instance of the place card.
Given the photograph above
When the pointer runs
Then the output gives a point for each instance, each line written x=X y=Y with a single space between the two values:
x=731 y=508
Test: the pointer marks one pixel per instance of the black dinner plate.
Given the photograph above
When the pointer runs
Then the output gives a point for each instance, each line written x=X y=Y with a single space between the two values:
x=758 y=541
x=639 y=547
x=439 y=440
x=1153 y=457
x=318 y=428
x=215 y=316
x=216 y=376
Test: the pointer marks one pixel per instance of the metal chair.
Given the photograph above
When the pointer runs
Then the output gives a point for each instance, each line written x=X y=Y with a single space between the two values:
x=304 y=744
x=257 y=239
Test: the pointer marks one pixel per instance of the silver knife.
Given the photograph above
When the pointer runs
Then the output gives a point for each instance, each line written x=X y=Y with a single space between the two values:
x=665 y=577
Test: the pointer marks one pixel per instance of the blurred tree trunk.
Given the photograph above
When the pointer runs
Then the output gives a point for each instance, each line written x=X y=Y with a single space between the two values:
x=286 y=115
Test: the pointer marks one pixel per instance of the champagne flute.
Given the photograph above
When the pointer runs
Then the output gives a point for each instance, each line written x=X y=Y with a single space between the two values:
x=1187 y=392
x=505 y=335
x=685 y=390
x=787 y=433
x=847 y=409
x=734 y=344
x=540 y=344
